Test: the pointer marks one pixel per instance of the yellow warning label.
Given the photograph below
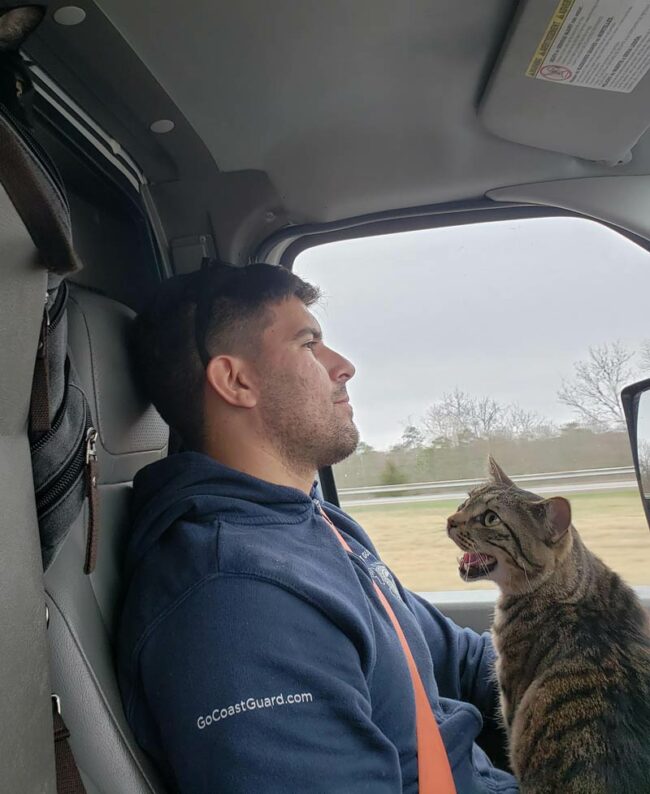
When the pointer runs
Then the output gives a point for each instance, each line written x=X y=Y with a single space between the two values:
x=598 y=44
x=557 y=20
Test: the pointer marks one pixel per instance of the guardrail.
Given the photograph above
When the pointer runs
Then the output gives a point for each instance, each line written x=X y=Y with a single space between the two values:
x=616 y=471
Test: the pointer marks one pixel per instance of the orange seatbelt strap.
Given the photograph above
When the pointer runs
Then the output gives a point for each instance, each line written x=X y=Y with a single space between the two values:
x=434 y=772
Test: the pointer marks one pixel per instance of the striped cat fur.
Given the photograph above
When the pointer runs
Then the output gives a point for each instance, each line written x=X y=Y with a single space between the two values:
x=572 y=642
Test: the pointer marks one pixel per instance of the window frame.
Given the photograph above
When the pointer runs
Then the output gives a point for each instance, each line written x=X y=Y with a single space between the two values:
x=462 y=213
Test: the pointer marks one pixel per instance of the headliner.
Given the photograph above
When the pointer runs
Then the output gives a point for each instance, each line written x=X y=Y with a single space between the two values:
x=351 y=106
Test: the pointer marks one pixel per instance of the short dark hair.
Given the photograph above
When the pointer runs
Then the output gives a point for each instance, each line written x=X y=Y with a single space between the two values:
x=219 y=309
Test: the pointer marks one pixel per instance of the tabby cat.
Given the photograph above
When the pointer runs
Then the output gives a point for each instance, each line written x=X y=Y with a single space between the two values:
x=572 y=642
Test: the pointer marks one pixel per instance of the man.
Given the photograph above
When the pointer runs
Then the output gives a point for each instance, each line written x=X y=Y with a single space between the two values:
x=254 y=652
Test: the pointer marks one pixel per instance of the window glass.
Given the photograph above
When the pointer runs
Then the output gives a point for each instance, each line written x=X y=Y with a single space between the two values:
x=511 y=338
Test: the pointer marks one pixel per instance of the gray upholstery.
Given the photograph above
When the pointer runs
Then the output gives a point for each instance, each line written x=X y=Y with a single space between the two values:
x=83 y=608
x=26 y=750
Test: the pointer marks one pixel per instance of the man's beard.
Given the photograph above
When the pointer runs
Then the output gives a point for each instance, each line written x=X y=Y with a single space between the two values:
x=305 y=441
x=340 y=445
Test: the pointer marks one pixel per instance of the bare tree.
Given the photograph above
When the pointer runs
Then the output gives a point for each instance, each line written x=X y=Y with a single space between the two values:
x=527 y=424
x=487 y=417
x=459 y=417
x=594 y=391
x=644 y=355
x=456 y=416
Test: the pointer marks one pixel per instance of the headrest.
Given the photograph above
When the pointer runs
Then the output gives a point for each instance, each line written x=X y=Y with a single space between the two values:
x=17 y=22
x=130 y=431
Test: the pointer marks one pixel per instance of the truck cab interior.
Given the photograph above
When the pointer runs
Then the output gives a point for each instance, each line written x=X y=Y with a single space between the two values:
x=252 y=132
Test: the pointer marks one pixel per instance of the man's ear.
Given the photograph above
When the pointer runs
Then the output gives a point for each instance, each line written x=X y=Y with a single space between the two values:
x=558 y=514
x=497 y=474
x=228 y=376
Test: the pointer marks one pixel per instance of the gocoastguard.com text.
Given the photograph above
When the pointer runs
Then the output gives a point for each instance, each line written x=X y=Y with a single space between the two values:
x=251 y=704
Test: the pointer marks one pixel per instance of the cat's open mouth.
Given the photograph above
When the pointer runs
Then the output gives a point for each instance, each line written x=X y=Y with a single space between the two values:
x=474 y=565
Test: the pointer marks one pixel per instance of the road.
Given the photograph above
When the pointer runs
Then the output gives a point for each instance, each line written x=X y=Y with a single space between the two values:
x=559 y=489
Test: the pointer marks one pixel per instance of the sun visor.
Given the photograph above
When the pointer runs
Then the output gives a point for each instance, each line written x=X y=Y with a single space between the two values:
x=573 y=77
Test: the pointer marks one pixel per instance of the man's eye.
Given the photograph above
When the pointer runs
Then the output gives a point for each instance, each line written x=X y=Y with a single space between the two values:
x=490 y=518
x=311 y=345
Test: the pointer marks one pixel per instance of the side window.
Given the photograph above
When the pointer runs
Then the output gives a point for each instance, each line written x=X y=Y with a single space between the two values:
x=512 y=338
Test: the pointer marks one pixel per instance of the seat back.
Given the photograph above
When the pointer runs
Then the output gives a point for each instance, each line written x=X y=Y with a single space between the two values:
x=26 y=749
x=83 y=608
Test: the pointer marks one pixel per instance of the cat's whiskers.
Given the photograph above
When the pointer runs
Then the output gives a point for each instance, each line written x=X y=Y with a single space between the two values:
x=530 y=587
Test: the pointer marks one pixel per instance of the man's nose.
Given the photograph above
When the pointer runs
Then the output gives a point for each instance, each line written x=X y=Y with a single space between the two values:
x=340 y=367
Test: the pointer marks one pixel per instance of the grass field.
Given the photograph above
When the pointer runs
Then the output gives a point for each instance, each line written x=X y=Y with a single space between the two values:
x=412 y=539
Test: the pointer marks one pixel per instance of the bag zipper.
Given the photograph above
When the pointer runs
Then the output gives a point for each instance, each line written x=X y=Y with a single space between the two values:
x=76 y=466
x=40 y=442
x=91 y=492
x=83 y=462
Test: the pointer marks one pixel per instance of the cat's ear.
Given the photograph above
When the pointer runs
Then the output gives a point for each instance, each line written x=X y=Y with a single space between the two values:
x=558 y=512
x=16 y=25
x=497 y=474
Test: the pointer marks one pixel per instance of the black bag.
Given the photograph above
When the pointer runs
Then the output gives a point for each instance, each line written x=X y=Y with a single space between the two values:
x=62 y=439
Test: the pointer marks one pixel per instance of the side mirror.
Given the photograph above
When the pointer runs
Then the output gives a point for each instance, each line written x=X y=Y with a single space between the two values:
x=636 y=405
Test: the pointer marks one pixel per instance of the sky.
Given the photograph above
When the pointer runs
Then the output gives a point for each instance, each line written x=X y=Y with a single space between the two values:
x=499 y=309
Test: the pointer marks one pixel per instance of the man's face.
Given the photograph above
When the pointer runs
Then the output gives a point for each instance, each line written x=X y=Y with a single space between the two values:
x=303 y=400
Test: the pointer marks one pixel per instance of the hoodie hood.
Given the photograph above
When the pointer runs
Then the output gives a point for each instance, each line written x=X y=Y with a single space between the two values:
x=195 y=486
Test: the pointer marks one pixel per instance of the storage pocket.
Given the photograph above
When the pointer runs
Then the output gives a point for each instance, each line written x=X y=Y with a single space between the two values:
x=60 y=466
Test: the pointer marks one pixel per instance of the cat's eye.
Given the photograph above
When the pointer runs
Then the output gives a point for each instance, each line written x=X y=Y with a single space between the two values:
x=490 y=518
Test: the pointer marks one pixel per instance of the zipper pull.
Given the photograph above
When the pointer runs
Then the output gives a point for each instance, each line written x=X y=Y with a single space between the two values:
x=91 y=492
x=91 y=448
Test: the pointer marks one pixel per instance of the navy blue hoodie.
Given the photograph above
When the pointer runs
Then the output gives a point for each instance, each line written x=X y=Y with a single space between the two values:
x=254 y=655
